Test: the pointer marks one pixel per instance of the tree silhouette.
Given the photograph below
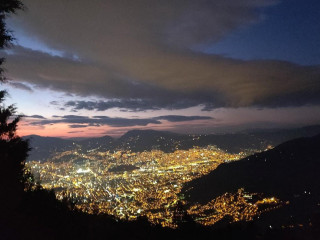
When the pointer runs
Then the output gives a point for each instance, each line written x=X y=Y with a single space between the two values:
x=6 y=7
x=13 y=149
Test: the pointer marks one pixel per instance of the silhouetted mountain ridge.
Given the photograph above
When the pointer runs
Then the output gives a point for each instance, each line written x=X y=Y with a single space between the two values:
x=146 y=140
x=290 y=168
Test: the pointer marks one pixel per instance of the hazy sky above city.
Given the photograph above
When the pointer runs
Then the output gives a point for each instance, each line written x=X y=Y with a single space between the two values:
x=92 y=68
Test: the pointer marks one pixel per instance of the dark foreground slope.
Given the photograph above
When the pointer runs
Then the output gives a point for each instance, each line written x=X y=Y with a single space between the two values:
x=286 y=171
x=41 y=216
x=290 y=172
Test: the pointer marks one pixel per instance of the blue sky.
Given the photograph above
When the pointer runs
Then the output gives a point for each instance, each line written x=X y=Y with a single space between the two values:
x=288 y=31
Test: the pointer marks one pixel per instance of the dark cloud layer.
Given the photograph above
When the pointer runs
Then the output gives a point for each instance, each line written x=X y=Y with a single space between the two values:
x=76 y=121
x=140 y=53
x=83 y=121
x=178 y=118
x=166 y=102
x=35 y=116
x=20 y=85
x=131 y=104
x=77 y=126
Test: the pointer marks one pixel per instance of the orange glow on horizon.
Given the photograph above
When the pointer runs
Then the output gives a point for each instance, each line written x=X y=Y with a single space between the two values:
x=62 y=130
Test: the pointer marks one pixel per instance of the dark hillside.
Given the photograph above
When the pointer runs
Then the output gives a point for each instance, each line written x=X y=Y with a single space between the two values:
x=289 y=172
x=291 y=168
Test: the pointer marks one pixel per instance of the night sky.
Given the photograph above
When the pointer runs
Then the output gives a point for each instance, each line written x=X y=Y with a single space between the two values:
x=90 y=68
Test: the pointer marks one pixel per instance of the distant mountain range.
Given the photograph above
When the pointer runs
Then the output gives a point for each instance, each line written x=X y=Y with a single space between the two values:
x=290 y=172
x=146 y=140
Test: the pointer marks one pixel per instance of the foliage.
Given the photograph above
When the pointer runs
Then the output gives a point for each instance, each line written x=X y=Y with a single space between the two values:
x=7 y=128
x=6 y=7
x=13 y=149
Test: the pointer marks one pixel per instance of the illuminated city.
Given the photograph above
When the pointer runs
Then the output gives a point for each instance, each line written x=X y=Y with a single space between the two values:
x=127 y=184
